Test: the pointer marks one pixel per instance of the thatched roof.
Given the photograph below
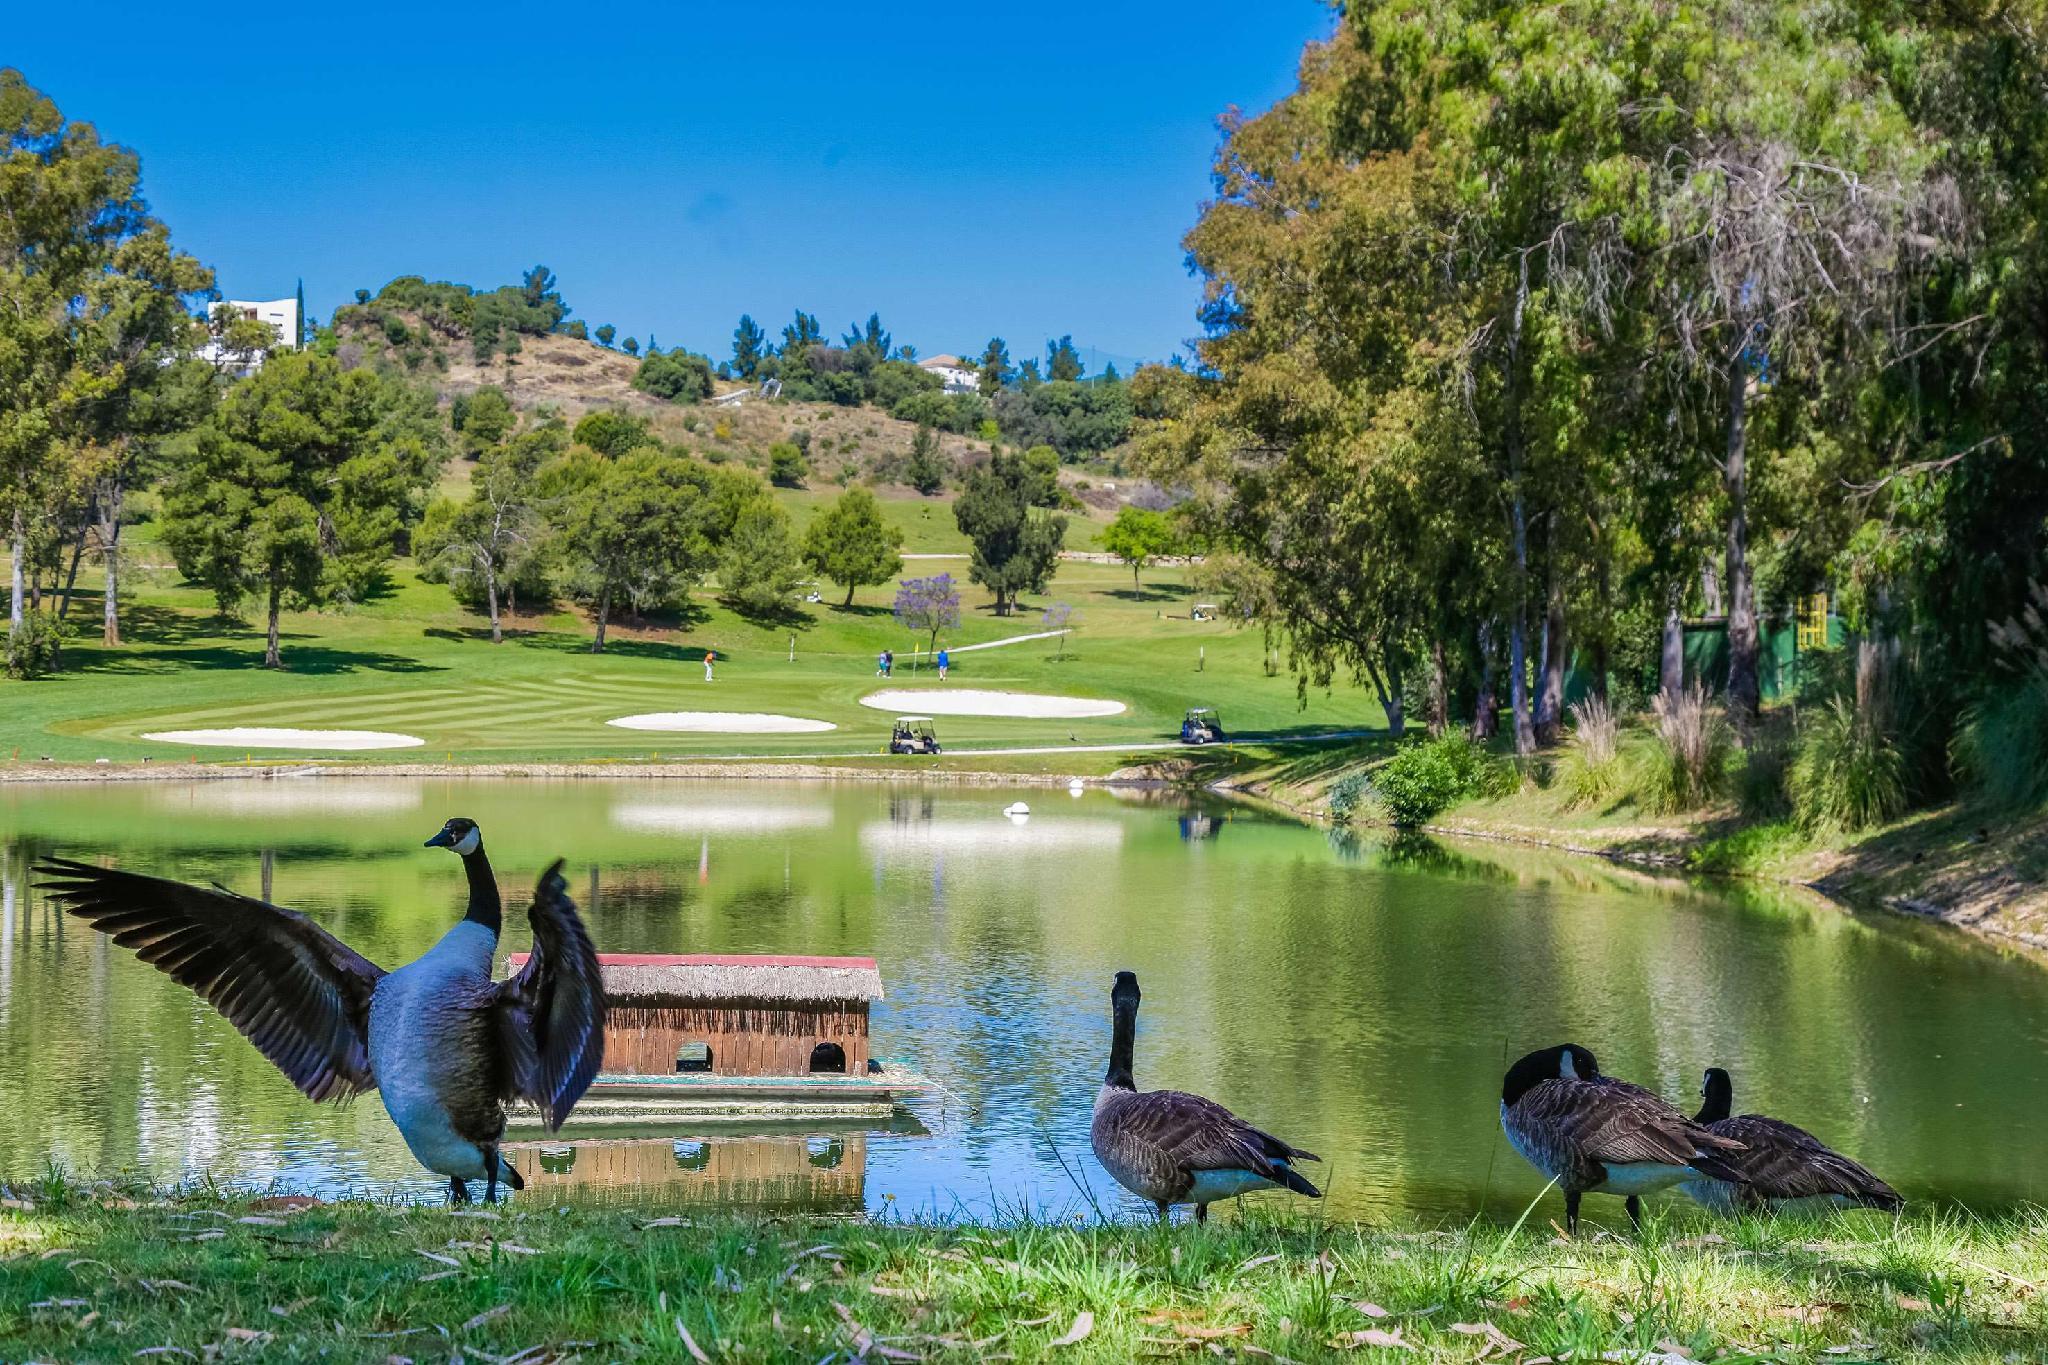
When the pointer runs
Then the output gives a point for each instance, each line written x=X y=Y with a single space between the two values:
x=695 y=978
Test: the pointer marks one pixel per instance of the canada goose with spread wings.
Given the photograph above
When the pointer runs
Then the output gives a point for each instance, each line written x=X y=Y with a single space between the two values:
x=444 y=1044
x=1175 y=1148
x=1596 y=1135
x=1783 y=1166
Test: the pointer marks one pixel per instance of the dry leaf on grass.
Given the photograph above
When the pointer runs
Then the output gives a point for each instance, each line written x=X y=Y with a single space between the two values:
x=1084 y=1323
x=439 y=1259
x=285 y=1203
x=690 y=1343
x=1370 y=1336
x=1195 y=1331
x=488 y=1315
x=1497 y=1341
x=257 y=1220
x=1913 y=1305
x=248 y=1334
x=1371 y=1310
x=1266 y=1259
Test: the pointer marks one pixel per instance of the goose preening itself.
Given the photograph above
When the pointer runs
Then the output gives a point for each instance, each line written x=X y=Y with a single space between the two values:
x=1596 y=1135
x=444 y=1044
x=1174 y=1148
x=1782 y=1165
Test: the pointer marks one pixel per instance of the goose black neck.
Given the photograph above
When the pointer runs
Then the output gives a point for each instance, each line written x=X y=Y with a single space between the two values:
x=484 y=905
x=1123 y=1032
x=1716 y=1099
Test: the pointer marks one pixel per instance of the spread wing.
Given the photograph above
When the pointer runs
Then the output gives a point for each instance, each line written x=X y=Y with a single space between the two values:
x=1196 y=1134
x=1615 y=1123
x=551 y=1015
x=297 y=992
x=1782 y=1161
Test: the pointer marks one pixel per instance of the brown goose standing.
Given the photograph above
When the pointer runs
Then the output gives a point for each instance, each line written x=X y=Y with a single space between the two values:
x=1783 y=1166
x=1596 y=1135
x=1175 y=1148
x=445 y=1044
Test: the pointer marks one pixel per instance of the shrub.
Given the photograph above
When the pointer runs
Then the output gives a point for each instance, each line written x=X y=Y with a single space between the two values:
x=1763 y=777
x=1347 y=794
x=1848 y=773
x=786 y=465
x=2002 y=747
x=1421 y=780
x=1591 y=769
x=32 y=651
x=1687 y=762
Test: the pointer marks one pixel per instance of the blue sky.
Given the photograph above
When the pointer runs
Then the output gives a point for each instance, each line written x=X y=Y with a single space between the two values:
x=969 y=169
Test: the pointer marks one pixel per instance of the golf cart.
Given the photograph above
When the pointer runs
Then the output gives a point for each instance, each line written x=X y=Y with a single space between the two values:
x=913 y=735
x=1201 y=726
x=1204 y=611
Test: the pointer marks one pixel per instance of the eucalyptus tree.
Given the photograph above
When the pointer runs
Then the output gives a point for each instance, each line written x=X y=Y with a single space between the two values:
x=68 y=201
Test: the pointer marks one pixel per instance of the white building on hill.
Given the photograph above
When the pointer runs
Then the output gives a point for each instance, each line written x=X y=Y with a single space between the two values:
x=281 y=314
x=957 y=374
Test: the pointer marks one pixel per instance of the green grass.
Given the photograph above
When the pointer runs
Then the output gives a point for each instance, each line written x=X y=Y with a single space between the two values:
x=414 y=661
x=97 y=1272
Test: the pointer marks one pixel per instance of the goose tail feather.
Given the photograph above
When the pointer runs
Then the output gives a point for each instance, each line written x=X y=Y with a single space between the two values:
x=1295 y=1180
x=1719 y=1167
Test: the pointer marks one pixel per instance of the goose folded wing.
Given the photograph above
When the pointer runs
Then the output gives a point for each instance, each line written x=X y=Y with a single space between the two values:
x=1783 y=1161
x=301 y=995
x=550 y=1015
x=1198 y=1134
x=1618 y=1124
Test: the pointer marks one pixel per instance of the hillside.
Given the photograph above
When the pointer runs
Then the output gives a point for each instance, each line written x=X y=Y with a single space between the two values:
x=570 y=377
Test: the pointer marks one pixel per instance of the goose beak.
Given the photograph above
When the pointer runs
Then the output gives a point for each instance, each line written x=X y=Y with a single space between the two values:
x=442 y=840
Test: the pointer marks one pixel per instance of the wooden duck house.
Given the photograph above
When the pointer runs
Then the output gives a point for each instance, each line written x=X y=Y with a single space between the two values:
x=759 y=1035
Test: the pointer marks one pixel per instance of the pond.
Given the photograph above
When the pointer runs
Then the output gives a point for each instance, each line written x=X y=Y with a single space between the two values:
x=1358 y=997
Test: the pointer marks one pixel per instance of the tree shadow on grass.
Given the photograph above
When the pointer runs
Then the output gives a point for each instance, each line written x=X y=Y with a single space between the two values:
x=1144 y=594
x=304 y=660
x=624 y=647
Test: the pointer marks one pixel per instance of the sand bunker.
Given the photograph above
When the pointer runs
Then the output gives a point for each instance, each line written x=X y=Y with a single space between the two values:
x=968 y=701
x=268 y=737
x=722 y=723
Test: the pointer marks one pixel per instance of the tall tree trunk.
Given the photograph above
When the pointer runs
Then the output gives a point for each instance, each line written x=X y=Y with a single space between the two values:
x=1710 y=588
x=1439 y=689
x=1671 y=659
x=17 y=594
x=71 y=575
x=271 y=657
x=849 y=594
x=1518 y=519
x=604 y=609
x=491 y=600
x=1486 y=707
x=1745 y=694
x=1550 y=697
x=110 y=552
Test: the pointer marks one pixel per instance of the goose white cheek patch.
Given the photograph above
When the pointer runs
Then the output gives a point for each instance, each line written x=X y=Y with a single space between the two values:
x=1565 y=1068
x=469 y=842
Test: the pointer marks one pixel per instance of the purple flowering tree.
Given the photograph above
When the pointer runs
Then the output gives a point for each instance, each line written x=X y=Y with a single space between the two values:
x=926 y=606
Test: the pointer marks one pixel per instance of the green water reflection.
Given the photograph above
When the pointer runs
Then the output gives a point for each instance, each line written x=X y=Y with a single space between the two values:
x=1356 y=996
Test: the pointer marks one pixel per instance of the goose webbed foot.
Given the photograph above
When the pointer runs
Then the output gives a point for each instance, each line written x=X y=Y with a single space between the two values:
x=458 y=1190
x=1571 y=1213
x=1634 y=1205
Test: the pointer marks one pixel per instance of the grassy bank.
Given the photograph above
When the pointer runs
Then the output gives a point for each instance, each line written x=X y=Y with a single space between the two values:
x=95 y=1273
x=1976 y=866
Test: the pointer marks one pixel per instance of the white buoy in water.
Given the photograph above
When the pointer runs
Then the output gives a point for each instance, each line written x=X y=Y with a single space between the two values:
x=1016 y=808
x=1076 y=787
